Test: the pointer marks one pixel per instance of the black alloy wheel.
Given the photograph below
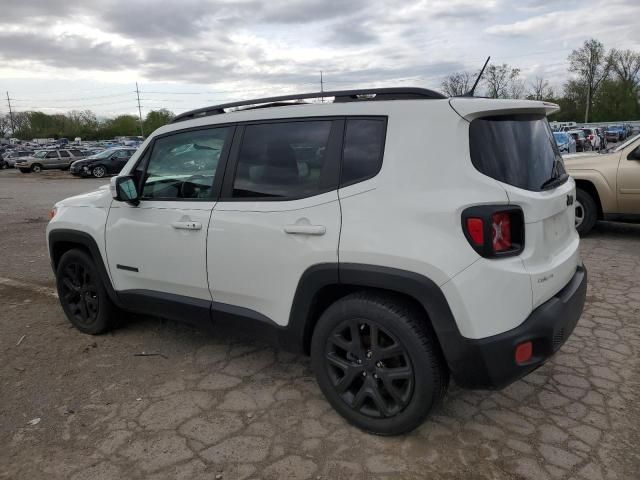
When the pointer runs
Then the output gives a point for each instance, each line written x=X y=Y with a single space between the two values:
x=370 y=369
x=80 y=293
x=377 y=362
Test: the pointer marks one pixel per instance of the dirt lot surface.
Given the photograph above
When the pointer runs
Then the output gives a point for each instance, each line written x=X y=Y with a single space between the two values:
x=216 y=406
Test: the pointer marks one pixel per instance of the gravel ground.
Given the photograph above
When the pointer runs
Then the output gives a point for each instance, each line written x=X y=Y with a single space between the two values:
x=218 y=406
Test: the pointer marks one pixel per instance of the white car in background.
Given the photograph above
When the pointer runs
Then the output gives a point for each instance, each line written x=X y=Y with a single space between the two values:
x=593 y=137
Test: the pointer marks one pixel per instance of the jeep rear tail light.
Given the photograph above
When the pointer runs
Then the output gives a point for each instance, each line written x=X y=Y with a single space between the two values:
x=475 y=227
x=494 y=231
x=501 y=232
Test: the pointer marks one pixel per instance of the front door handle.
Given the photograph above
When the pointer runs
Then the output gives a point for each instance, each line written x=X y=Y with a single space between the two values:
x=305 y=229
x=187 y=225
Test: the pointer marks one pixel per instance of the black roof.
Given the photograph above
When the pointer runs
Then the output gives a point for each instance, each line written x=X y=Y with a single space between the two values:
x=371 y=94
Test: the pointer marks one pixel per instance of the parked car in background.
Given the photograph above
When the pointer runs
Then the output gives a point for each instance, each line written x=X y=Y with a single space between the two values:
x=592 y=138
x=582 y=142
x=603 y=138
x=608 y=185
x=108 y=162
x=615 y=133
x=48 y=160
x=566 y=143
x=12 y=156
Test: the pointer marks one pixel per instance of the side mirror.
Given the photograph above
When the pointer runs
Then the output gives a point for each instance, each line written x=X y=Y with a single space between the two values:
x=123 y=189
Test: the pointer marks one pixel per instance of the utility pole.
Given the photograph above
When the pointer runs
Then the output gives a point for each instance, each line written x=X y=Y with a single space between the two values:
x=139 y=110
x=10 y=114
x=321 y=87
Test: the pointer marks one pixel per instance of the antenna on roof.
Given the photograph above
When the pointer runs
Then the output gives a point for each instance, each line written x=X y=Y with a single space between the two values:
x=473 y=89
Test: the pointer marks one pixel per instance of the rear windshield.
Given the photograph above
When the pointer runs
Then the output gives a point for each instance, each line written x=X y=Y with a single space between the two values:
x=515 y=149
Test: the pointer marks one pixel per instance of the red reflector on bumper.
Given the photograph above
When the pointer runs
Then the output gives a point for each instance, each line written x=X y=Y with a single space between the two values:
x=524 y=352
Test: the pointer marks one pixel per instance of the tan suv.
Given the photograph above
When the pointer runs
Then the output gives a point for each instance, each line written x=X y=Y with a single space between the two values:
x=608 y=184
x=49 y=159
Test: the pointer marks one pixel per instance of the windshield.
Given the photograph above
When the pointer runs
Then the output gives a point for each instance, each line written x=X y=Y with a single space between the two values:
x=40 y=154
x=103 y=154
x=515 y=149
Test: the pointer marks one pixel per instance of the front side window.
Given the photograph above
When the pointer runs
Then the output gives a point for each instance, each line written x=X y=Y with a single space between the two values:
x=362 y=153
x=52 y=155
x=183 y=165
x=282 y=160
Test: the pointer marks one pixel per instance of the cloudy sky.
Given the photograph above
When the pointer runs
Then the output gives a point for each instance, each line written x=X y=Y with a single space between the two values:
x=58 y=55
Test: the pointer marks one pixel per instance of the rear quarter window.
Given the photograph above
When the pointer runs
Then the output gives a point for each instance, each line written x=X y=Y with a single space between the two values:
x=363 y=149
x=518 y=150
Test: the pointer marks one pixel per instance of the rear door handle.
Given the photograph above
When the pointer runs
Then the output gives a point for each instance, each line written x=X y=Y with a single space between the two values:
x=305 y=229
x=187 y=225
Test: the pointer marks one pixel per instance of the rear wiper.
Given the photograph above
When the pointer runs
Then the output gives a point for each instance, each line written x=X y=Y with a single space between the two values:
x=553 y=182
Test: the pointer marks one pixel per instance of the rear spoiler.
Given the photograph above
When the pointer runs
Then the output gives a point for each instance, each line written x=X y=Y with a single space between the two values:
x=470 y=108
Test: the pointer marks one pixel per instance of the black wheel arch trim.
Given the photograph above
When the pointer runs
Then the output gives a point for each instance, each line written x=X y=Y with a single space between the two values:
x=67 y=239
x=420 y=288
x=296 y=336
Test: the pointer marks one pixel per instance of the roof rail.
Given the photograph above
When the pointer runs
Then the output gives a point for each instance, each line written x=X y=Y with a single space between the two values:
x=370 y=94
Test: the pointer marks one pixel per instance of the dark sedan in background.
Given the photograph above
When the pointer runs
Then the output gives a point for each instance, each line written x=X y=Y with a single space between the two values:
x=107 y=162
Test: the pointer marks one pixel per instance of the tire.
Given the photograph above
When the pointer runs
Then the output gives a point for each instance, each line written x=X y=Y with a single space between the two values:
x=36 y=168
x=25 y=170
x=82 y=294
x=98 y=171
x=354 y=376
x=586 y=212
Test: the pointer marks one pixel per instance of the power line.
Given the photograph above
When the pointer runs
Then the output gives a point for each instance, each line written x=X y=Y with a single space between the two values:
x=85 y=105
x=75 y=99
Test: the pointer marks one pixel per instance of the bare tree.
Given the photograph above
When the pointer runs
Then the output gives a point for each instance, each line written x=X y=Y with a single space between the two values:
x=540 y=89
x=592 y=66
x=626 y=65
x=5 y=126
x=457 y=83
x=503 y=81
x=516 y=84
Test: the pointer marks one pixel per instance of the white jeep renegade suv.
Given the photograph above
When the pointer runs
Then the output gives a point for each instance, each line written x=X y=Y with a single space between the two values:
x=395 y=235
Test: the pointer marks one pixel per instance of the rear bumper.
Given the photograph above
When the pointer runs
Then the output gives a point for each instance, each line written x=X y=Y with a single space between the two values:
x=490 y=363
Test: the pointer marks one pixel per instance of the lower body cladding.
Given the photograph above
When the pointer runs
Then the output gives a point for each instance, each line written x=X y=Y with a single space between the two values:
x=497 y=361
x=491 y=362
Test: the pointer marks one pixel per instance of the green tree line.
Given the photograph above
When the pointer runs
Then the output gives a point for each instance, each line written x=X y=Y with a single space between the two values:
x=603 y=86
x=84 y=124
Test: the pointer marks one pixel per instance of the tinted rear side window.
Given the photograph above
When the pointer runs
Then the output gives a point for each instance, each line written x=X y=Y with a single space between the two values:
x=363 y=148
x=282 y=160
x=517 y=149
